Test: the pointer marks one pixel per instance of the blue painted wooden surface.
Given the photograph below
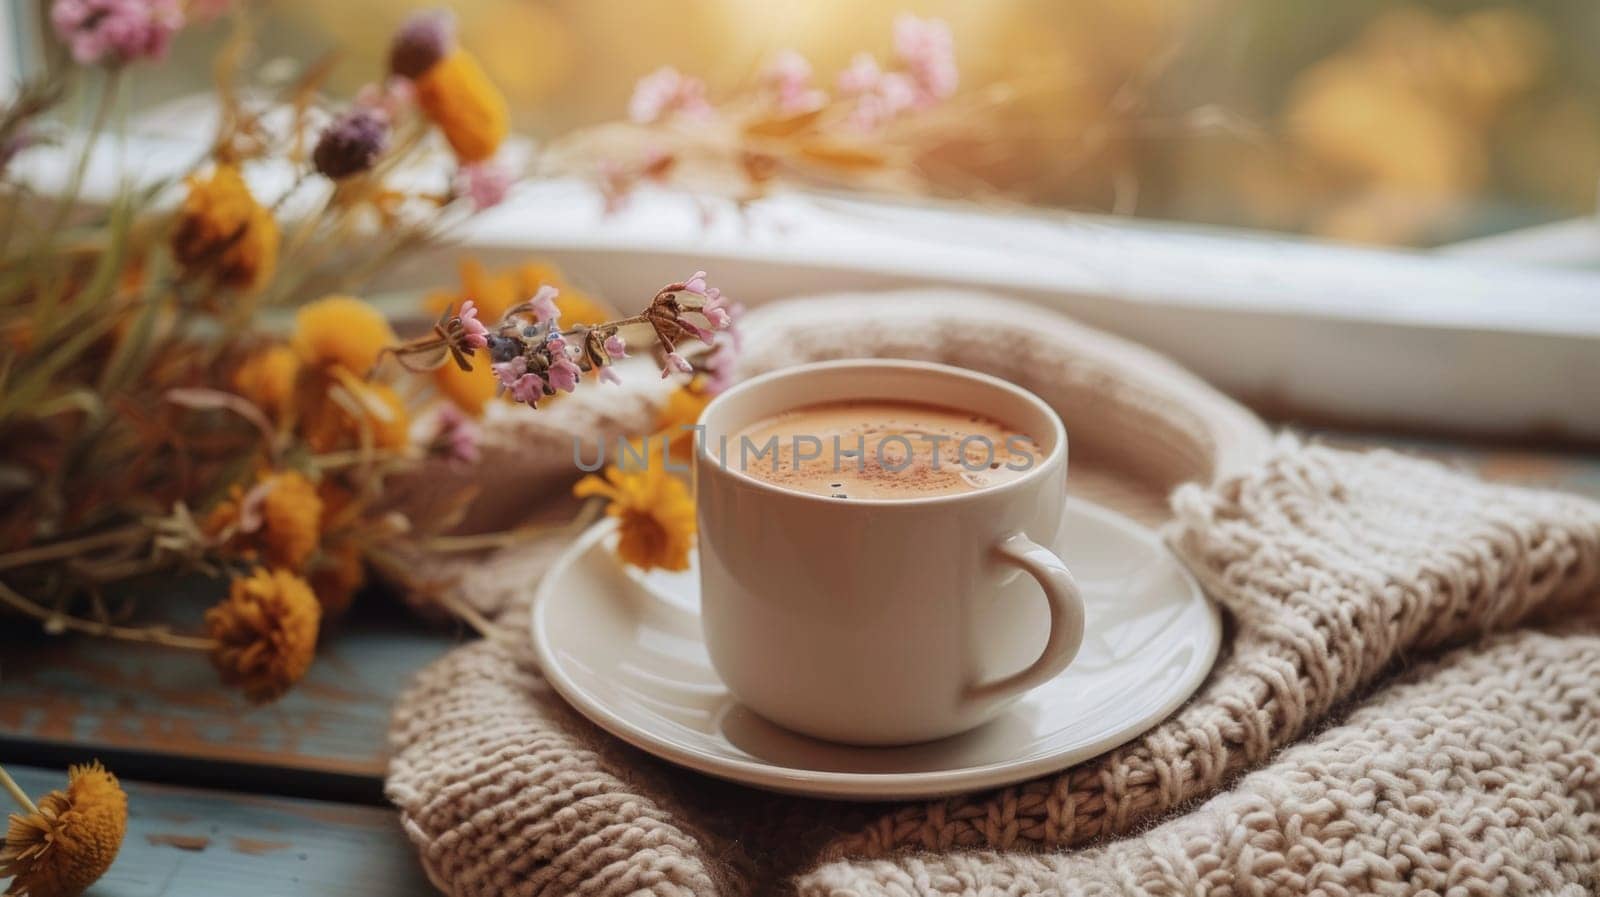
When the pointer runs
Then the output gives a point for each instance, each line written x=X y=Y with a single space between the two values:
x=184 y=842
x=98 y=696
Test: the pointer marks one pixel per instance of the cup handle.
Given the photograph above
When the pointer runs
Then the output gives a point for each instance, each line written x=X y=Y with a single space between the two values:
x=1066 y=617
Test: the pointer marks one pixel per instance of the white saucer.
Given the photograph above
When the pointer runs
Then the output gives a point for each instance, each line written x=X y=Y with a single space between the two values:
x=625 y=649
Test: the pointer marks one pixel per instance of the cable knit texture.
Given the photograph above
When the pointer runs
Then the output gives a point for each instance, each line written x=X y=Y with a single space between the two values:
x=1303 y=764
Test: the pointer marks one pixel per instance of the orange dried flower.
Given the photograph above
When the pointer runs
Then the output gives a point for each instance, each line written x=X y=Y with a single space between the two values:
x=468 y=390
x=266 y=632
x=457 y=96
x=71 y=841
x=654 y=513
x=224 y=231
x=279 y=520
x=328 y=425
x=496 y=291
x=336 y=575
x=343 y=332
x=267 y=378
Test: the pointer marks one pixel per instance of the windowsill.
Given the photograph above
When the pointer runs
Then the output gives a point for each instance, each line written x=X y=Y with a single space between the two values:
x=1465 y=342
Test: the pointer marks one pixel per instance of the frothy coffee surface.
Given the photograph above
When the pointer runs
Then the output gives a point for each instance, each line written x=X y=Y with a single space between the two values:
x=879 y=449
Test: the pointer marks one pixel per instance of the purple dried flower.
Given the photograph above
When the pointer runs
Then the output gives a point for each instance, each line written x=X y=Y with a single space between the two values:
x=351 y=143
x=116 y=31
x=423 y=39
x=696 y=284
x=615 y=347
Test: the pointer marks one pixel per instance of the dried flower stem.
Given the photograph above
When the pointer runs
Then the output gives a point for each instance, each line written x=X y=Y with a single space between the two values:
x=471 y=617
x=359 y=456
x=16 y=792
x=55 y=550
x=449 y=544
x=146 y=635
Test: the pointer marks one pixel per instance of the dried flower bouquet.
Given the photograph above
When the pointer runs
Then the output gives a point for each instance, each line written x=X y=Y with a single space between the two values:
x=154 y=421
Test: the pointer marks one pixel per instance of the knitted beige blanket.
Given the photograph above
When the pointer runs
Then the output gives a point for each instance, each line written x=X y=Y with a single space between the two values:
x=1409 y=703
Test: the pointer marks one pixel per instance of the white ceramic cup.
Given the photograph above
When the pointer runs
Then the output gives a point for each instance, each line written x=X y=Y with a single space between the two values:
x=882 y=621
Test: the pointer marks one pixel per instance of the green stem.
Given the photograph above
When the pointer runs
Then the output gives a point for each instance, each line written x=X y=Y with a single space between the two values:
x=16 y=792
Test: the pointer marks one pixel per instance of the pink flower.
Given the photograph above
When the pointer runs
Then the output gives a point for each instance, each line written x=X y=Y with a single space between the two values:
x=665 y=92
x=203 y=11
x=788 y=76
x=719 y=365
x=716 y=308
x=509 y=372
x=486 y=183
x=615 y=347
x=391 y=97
x=926 y=49
x=700 y=333
x=457 y=436
x=116 y=31
x=544 y=305
x=528 y=389
x=563 y=373
x=696 y=284
x=477 y=335
x=676 y=363
x=861 y=77
x=894 y=93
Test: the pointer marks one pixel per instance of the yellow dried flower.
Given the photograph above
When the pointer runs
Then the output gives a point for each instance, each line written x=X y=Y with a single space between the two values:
x=328 y=425
x=343 y=332
x=279 y=520
x=223 y=231
x=654 y=513
x=71 y=841
x=468 y=390
x=677 y=416
x=386 y=416
x=457 y=95
x=267 y=379
x=266 y=632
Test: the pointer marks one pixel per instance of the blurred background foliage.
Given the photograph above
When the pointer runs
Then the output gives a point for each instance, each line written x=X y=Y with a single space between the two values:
x=1409 y=122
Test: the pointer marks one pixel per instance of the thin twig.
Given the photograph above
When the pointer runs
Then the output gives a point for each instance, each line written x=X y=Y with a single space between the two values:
x=450 y=544
x=17 y=794
x=144 y=635
x=55 y=550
